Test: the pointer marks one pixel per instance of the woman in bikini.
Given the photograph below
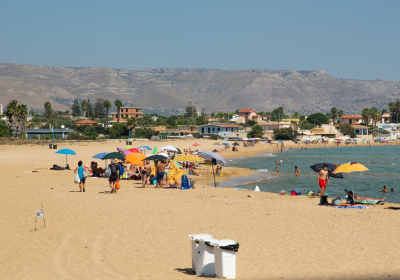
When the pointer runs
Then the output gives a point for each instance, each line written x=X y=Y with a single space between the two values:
x=357 y=197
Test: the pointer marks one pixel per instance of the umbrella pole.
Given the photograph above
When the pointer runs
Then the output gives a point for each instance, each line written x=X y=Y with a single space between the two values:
x=215 y=184
x=208 y=175
x=66 y=160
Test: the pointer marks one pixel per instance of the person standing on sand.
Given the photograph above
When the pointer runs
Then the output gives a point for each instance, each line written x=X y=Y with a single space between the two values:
x=160 y=169
x=114 y=174
x=323 y=179
x=297 y=171
x=146 y=173
x=80 y=169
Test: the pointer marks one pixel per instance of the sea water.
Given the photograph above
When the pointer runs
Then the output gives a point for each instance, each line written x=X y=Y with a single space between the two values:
x=383 y=163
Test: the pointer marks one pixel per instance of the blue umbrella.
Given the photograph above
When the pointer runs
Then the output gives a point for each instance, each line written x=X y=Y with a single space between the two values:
x=144 y=148
x=225 y=143
x=66 y=152
x=100 y=155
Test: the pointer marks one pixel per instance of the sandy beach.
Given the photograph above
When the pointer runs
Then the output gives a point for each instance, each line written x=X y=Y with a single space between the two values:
x=142 y=233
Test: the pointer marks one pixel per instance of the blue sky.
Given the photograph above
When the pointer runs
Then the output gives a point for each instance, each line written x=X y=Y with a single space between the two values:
x=347 y=39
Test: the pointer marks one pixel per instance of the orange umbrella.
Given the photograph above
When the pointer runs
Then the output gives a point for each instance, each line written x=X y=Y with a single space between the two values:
x=135 y=159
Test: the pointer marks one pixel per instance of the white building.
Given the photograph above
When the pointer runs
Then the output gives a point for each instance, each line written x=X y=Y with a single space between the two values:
x=217 y=128
x=269 y=126
x=235 y=117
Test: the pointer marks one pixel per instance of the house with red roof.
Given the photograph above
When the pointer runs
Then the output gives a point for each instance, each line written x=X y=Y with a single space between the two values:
x=247 y=114
x=222 y=129
x=86 y=122
x=347 y=119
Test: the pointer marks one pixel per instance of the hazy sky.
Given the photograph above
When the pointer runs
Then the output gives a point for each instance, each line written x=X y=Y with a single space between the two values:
x=347 y=39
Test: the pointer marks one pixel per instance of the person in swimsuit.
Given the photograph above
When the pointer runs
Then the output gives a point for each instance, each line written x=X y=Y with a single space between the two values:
x=166 y=172
x=80 y=170
x=323 y=179
x=357 y=197
x=297 y=171
x=277 y=167
x=160 y=168
x=146 y=173
x=384 y=189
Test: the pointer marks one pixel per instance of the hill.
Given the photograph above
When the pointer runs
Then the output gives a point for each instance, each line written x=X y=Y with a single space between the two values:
x=213 y=90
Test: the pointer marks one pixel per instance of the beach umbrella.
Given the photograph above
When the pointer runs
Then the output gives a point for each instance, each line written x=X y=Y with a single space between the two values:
x=196 y=144
x=351 y=167
x=252 y=139
x=331 y=167
x=135 y=159
x=114 y=155
x=154 y=150
x=66 y=152
x=179 y=151
x=217 y=143
x=355 y=140
x=214 y=158
x=236 y=144
x=128 y=147
x=134 y=150
x=190 y=158
x=146 y=148
x=100 y=155
x=226 y=144
x=155 y=157
x=169 y=148
x=178 y=164
x=164 y=154
x=123 y=151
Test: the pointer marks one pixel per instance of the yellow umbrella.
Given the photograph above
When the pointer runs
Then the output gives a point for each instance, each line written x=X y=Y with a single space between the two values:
x=348 y=168
x=135 y=159
x=190 y=158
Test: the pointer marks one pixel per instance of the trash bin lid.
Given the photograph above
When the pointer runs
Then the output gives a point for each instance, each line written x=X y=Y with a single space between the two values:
x=227 y=244
x=208 y=241
x=200 y=235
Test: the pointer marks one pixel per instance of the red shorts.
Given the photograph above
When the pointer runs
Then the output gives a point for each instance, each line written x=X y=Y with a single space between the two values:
x=322 y=183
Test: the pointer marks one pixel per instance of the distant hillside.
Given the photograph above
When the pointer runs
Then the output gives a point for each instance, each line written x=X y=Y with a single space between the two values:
x=214 y=90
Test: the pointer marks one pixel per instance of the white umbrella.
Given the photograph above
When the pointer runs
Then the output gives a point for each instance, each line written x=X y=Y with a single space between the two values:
x=164 y=154
x=169 y=148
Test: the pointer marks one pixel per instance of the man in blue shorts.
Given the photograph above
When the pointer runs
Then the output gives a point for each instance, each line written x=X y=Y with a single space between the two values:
x=160 y=169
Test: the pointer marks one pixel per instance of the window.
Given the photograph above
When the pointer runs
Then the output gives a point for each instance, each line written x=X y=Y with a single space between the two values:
x=213 y=128
x=218 y=129
x=202 y=130
x=126 y=110
x=126 y=115
x=136 y=116
x=137 y=110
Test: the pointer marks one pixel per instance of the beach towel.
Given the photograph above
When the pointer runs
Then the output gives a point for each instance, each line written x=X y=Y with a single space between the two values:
x=351 y=207
x=174 y=172
x=358 y=201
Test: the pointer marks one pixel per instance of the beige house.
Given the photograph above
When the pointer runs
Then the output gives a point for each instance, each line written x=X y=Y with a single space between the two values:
x=246 y=114
x=357 y=119
x=386 y=117
x=269 y=126
x=325 y=130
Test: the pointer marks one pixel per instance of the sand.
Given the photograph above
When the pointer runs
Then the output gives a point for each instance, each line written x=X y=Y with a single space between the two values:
x=142 y=233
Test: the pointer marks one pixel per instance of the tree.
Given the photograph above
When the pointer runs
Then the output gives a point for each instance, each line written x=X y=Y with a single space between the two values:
x=190 y=111
x=219 y=115
x=84 y=107
x=90 y=112
x=4 y=129
x=147 y=119
x=376 y=116
x=347 y=129
x=383 y=111
x=22 y=112
x=48 y=110
x=201 y=120
x=107 y=105
x=191 y=122
x=99 y=111
x=251 y=122
x=131 y=124
x=12 y=115
x=295 y=115
x=334 y=113
x=76 y=109
x=392 y=110
x=397 y=110
x=366 y=113
x=303 y=120
x=256 y=131
x=318 y=119
x=116 y=130
x=90 y=131
x=285 y=133
x=118 y=103
x=277 y=114
x=340 y=113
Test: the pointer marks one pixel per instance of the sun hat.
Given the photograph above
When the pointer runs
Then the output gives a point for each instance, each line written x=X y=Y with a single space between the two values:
x=113 y=161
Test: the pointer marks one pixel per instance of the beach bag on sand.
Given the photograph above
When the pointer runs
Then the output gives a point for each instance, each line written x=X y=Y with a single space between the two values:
x=77 y=179
x=185 y=183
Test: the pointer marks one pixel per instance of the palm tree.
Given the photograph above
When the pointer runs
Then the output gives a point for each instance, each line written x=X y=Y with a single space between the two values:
x=397 y=109
x=340 y=113
x=191 y=123
x=392 y=109
x=131 y=124
x=118 y=103
x=107 y=105
x=84 y=107
x=376 y=116
x=302 y=122
x=22 y=112
x=334 y=113
x=11 y=113
x=295 y=115
x=366 y=113
x=48 y=111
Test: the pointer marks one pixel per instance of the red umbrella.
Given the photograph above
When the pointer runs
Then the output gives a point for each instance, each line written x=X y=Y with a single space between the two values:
x=134 y=150
x=196 y=144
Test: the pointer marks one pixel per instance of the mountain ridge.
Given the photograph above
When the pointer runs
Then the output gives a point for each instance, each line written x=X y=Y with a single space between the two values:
x=304 y=91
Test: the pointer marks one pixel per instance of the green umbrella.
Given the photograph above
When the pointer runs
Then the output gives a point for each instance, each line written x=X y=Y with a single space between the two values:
x=155 y=157
x=155 y=150
x=114 y=155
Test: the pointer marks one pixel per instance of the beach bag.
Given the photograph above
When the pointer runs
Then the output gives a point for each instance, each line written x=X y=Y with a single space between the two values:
x=336 y=202
x=107 y=173
x=77 y=179
x=185 y=183
x=117 y=186
x=84 y=174
x=283 y=192
x=121 y=170
x=297 y=192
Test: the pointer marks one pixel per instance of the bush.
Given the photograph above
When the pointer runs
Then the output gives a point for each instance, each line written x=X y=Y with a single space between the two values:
x=256 y=131
x=198 y=135
x=317 y=119
x=117 y=130
x=285 y=133
x=4 y=130
x=145 y=133
x=90 y=131
x=346 y=129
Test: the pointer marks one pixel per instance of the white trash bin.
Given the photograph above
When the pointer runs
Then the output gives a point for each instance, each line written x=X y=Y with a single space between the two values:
x=225 y=258
x=205 y=265
x=195 y=244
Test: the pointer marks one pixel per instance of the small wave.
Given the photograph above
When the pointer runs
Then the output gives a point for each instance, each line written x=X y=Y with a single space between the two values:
x=393 y=164
x=269 y=155
x=261 y=170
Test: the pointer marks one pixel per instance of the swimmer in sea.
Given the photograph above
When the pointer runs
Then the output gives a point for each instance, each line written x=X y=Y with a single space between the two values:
x=384 y=189
x=297 y=171
x=277 y=167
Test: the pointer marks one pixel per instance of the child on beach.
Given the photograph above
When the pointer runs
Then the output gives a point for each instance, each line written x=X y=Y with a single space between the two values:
x=277 y=167
x=80 y=169
x=323 y=179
